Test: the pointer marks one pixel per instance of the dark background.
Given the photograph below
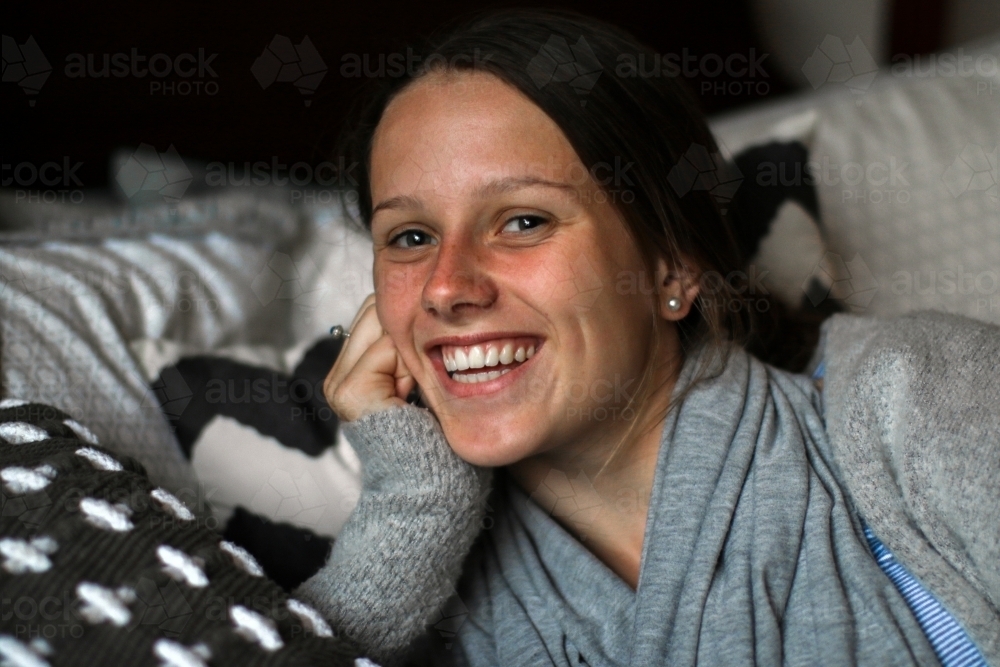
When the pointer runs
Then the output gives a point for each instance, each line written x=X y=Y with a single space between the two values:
x=87 y=118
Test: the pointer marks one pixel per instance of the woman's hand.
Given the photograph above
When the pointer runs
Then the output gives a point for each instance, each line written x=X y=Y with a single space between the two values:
x=369 y=375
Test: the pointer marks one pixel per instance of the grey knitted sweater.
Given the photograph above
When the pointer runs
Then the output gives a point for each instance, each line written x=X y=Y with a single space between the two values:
x=395 y=563
x=910 y=408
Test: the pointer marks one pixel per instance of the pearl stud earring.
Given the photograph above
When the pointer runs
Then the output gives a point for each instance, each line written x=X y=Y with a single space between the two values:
x=674 y=303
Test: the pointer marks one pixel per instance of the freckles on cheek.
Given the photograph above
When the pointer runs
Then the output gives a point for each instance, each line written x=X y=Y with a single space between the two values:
x=572 y=279
x=400 y=285
x=397 y=294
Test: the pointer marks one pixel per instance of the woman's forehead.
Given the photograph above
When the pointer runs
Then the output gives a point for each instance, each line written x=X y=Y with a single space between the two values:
x=457 y=126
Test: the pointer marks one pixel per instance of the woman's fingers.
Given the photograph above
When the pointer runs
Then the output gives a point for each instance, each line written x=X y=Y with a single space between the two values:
x=360 y=334
x=364 y=331
x=369 y=375
x=405 y=382
x=373 y=383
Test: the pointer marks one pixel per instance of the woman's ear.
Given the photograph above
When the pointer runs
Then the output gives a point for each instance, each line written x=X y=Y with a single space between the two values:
x=676 y=288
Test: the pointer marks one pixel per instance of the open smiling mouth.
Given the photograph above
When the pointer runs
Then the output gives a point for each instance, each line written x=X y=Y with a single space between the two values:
x=483 y=362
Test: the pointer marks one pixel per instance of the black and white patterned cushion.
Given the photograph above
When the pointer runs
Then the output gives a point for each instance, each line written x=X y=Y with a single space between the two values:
x=264 y=443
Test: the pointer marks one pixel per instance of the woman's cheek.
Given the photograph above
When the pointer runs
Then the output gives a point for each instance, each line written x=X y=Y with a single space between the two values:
x=397 y=295
x=573 y=279
x=397 y=284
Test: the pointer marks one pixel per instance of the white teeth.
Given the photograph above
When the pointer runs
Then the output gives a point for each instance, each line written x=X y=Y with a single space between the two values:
x=476 y=357
x=458 y=359
x=507 y=354
x=473 y=378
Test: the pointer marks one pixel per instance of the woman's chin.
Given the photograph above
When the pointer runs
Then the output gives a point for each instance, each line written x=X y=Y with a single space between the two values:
x=486 y=448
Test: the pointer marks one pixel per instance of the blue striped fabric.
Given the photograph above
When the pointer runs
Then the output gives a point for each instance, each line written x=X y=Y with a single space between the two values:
x=951 y=643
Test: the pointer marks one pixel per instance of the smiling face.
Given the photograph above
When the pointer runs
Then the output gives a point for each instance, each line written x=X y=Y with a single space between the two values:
x=495 y=249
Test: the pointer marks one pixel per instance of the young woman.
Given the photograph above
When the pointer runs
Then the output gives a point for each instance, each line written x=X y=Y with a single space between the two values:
x=662 y=496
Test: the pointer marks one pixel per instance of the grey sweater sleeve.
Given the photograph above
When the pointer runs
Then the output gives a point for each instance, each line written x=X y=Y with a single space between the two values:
x=396 y=561
x=911 y=412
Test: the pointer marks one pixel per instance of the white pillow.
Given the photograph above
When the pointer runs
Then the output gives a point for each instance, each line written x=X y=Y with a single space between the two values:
x=917 y=224
x=336 y=255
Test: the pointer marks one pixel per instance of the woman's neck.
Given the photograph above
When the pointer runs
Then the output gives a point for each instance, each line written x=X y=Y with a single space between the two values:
x=601 y=494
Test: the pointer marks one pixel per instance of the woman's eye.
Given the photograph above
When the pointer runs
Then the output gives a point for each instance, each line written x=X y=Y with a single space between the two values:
x=411 y=238
x=524 y=223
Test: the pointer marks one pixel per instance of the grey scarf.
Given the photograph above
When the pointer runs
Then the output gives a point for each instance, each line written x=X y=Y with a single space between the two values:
x=751 y=554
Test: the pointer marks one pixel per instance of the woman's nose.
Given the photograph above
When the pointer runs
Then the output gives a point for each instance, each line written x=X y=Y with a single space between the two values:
x=459 y=281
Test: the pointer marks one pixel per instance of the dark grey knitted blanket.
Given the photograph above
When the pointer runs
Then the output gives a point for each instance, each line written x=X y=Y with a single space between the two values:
x=753 y=552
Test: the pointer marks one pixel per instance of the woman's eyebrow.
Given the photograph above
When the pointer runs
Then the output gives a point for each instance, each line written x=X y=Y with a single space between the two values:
x=397 y=202
x=504 y=185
